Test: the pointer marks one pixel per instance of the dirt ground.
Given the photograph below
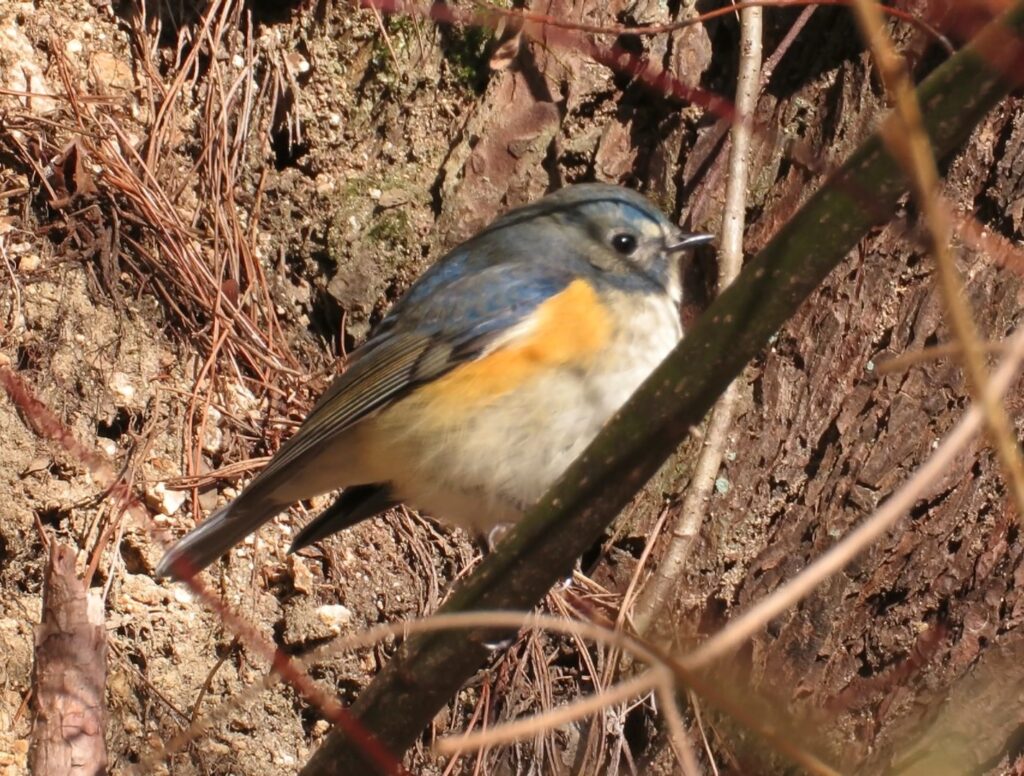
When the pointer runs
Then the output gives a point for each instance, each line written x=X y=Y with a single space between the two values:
x=344 y=161
x=305 y=164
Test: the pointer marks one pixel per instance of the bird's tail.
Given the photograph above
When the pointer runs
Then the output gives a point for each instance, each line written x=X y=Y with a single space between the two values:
x=217 y=534
x=352 y=506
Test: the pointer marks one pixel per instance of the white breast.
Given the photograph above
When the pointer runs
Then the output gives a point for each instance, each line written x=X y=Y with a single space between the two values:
x=490 y=463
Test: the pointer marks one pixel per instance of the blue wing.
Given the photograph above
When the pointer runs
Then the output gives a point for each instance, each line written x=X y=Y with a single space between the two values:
x=447 y=318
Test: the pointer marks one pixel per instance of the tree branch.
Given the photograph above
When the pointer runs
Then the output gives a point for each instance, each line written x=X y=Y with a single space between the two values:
x=429 y=669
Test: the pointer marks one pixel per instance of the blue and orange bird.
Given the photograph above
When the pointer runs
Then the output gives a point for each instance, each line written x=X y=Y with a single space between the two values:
x=486 y=380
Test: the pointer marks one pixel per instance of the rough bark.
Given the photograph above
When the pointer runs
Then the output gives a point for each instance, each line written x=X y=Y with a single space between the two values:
x=906 y=660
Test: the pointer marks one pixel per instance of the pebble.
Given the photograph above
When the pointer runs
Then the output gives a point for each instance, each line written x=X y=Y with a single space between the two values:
x=334 y=616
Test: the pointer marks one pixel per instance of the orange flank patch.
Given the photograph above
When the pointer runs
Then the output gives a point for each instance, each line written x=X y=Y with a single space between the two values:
x=569 y=328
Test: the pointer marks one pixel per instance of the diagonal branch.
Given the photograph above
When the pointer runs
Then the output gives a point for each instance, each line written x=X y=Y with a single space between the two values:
x=410 y=690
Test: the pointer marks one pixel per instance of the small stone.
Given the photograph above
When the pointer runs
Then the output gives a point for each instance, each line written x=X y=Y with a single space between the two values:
x=297 y=63
x=243 y=396
x=164 y=500
x=209 y=499
x=109 y=72
x=164 y=465
x=139 y=591
x=172 y=501
x=302 y=577
x=108 y=446
x=121 y=384
x=213 y=440
x=29 y=262
x=334 y=616
x=394 y=198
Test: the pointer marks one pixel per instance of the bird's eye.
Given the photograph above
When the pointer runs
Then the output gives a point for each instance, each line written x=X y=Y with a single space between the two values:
x=624 y=243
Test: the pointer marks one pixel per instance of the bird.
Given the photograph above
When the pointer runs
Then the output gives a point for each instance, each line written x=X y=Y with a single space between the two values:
x=484 y=382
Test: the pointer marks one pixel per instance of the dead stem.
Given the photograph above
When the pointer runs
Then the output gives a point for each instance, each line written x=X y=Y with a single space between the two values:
x=659 y=589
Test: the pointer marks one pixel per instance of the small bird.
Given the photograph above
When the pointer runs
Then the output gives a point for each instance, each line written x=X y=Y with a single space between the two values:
x=486 y=380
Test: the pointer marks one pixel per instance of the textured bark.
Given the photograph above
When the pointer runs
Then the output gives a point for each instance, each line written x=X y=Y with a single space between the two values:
x=69 y=676
x=910 y=659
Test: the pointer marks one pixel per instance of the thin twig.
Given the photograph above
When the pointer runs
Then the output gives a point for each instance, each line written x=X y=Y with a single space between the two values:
x=787 y=40
x=529 y=727
x=934 y=353
x=486 y=13
x=698 y=719
x=659 y=589
x=677 y=735
x=387 y=38
x=479 y=709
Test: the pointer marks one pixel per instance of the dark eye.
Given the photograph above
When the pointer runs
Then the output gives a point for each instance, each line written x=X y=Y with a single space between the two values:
x=624 y=243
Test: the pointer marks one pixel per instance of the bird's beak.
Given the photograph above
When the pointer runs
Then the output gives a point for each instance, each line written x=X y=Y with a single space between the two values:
x=688 y=241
